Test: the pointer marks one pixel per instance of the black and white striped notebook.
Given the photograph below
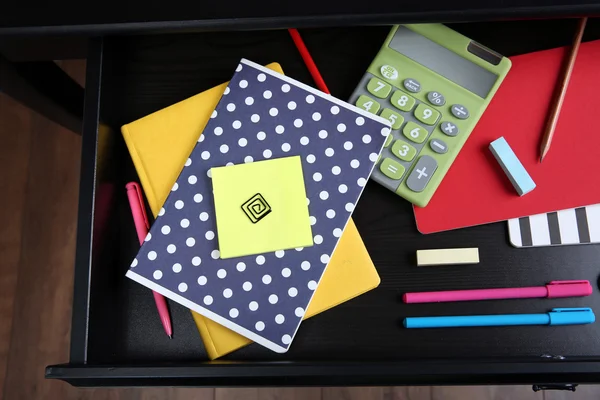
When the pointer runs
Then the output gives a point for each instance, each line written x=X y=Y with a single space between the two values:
x=573 y=226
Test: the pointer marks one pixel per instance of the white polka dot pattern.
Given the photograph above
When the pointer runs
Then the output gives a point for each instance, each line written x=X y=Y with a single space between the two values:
x=260 y=117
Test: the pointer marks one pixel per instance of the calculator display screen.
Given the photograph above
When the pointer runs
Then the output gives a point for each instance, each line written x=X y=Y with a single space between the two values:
x=445 y=62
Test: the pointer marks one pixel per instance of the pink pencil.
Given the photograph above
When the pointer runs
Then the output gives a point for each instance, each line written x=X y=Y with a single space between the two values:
x=134 y=194
x=554 y=289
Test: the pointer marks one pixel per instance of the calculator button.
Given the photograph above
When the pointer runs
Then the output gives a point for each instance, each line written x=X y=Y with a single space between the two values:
x=387 y=71
x=459 y=111
x=403 y=150
x=449 y=128
x=388 y=140
x=421 y=174
x=438 y=146
x=391 y=168
x=392 y=116
x=368 y=104
x=426 y=114
x=379 y=88
x=414 y=132
x=412 y=85
x=402 y=101
x=436 y=98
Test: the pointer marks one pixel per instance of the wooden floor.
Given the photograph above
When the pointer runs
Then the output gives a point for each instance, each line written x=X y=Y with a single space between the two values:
x=39 y=182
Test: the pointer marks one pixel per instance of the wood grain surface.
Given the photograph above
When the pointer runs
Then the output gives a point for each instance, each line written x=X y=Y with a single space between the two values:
x=39 y=182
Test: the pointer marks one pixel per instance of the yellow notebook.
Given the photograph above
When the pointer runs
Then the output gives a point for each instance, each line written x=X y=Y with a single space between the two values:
x=160 y=143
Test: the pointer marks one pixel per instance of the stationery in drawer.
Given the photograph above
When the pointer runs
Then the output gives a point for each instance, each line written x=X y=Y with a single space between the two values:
x=159 y=145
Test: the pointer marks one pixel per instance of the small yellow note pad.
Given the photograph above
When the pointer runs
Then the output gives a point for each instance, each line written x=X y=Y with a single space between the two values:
x=261 y=207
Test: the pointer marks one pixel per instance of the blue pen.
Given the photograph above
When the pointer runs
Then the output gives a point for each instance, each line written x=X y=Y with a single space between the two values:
x=558 y=316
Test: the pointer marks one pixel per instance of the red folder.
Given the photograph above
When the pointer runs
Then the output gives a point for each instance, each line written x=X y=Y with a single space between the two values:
x=476 y=191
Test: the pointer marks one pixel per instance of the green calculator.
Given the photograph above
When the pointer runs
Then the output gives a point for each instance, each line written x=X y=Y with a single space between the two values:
x=432 y=84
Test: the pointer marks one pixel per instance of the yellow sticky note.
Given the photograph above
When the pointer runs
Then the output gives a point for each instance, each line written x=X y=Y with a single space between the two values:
x=261 y=207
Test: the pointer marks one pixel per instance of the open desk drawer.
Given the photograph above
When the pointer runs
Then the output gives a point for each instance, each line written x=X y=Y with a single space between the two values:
x=117 y=338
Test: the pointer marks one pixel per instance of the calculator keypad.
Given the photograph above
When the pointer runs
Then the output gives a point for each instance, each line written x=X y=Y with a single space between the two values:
x=389 y=72
x=368 y=104
x=426 y=114
x=449 y=128
x=414 y=132
x=395 y=119
x=459 y=111
x=388 y=140
x=379 y=88
x=439 y=146
x=392 y=169
x=412 y=85
x=436 y=98
x=403 y=150
x=428 y=123
x=403 y=101
x=421 y=174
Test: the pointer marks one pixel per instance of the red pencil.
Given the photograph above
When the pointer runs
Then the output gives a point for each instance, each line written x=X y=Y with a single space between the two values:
x=310 y=64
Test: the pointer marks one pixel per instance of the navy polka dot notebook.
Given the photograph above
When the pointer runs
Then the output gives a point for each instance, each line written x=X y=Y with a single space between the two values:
x=262 y=115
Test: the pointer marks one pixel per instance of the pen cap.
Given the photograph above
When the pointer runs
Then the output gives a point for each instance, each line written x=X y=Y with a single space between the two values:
x=558 y=289
x=571 y=316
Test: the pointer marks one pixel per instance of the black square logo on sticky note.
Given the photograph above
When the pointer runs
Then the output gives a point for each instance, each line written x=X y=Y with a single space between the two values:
x=256 y=208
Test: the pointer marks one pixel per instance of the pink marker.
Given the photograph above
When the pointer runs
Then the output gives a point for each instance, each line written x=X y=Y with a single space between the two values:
x=142 y=225
x=554 y=289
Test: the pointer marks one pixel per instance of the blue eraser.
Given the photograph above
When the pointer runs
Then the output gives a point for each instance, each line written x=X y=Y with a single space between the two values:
x=512 y=167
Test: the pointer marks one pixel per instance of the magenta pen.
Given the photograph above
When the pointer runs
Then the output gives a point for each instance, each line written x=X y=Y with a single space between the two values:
x=554 y=289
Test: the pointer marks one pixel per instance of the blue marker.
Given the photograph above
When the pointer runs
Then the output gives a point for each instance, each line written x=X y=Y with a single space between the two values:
x=558 y=316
